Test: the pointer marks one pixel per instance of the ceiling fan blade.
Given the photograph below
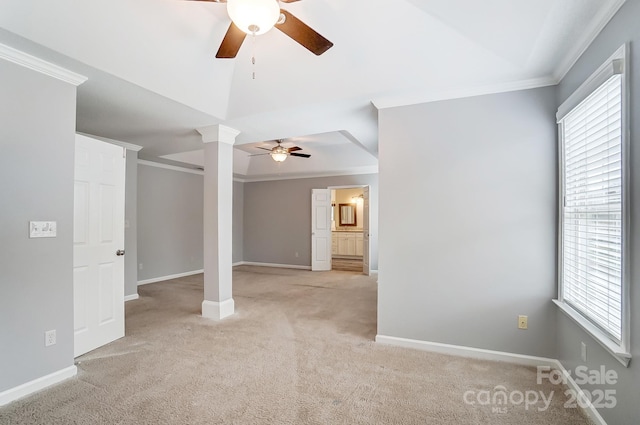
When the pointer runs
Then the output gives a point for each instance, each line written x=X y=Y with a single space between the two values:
x=231 y=42
x=266 y=149
x=301 y=155
x=294 y=148
x=303 y=34
x=259 y=154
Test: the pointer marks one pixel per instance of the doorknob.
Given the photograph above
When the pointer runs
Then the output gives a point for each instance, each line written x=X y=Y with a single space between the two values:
x=120 y=252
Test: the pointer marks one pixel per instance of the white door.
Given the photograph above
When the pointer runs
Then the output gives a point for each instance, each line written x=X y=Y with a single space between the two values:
x=98 y=235
x=320 y=229
x=366 y=267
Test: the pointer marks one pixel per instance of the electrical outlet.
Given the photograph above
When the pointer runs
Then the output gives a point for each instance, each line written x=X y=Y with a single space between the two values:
x=140 y=266
x=49 y=338
x=297 y=255
x=523 y=322
x=583 y=351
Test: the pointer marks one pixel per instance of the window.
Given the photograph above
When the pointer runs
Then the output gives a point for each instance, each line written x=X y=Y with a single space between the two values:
x=592 y=219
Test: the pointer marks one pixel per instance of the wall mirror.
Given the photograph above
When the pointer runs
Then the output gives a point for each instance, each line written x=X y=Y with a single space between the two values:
x=347 y=214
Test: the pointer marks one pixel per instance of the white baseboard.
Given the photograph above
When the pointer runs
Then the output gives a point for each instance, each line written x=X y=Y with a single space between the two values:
x=480 y=353
x=169 y=277
x=218 y=310
x=590 y=410
x=38 y=384
x=131 y=297
x=471 y=352
x=281 y=266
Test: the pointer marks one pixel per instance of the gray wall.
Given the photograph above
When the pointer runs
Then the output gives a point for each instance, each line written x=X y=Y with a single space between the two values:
x=238 y=217
x=277 y=218
x=468 y=221
x=131 y=225
x=37 y=133
x=622 y=28
x=169 y=222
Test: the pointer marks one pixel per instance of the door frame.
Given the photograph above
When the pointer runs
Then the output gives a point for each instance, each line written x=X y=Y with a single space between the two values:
x=355 y=186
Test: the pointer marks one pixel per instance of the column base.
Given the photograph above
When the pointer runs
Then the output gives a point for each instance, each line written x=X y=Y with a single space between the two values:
x=218 y=310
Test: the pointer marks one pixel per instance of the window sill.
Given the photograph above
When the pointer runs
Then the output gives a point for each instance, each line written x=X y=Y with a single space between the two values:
x=615 y=350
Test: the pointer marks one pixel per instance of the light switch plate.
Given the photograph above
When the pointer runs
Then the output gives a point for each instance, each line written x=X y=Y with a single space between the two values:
x=42 y=229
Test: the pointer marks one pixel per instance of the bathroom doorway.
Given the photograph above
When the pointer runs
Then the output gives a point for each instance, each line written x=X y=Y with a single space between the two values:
x=350 y=228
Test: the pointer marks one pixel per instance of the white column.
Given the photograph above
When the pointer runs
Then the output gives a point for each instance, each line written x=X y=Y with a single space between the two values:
x=218 y=212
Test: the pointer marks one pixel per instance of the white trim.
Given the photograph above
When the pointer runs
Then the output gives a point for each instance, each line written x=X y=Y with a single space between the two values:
x=169 y=277
x=218 y=133
x=626 y=196
x=431 y=96
x=348 y=186
x=616 y=351
x=218 y=310
x=170 y=167
x=36 y=64
x=589 y=36
x=131 y=297
x=463 y=351
x=37 y=384
x=128 y=146
x=373 y=169
x=612 y=66
x=617 y=63
x=590 y=411
x=281 y=266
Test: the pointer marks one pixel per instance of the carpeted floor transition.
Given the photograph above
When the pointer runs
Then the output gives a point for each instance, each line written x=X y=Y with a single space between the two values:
x=299 y=350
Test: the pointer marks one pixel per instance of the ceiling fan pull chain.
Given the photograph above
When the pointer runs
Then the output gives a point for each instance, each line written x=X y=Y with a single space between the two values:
x=253 y=56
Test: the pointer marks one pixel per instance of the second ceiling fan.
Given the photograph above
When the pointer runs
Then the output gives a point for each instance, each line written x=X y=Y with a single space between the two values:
x=256 y=17
x=279 y=153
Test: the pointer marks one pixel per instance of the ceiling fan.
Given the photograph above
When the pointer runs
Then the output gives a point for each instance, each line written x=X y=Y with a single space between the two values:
x=279 y=153
x=256 y=17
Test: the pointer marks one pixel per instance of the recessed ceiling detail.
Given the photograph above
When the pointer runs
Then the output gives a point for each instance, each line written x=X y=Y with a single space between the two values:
x=154 y=79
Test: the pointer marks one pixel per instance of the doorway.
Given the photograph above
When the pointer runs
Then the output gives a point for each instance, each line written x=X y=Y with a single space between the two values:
x=340 y=228
x=349 y=220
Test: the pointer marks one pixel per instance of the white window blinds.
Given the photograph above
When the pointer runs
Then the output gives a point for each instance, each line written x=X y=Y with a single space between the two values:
x=592 y=214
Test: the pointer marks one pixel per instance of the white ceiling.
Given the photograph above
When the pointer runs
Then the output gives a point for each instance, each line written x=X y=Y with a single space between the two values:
x=153 y=77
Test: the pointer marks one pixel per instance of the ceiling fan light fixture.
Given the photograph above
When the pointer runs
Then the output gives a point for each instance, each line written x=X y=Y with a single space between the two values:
x=254 y=16
x=279 y=154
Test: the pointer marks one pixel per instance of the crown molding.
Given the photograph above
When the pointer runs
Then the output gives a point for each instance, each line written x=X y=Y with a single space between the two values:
x=435 y=96
x=295 y=176
x=128 y=146
x=170 y=167
x=588 y=38
x=218 y=133
x=36 y=64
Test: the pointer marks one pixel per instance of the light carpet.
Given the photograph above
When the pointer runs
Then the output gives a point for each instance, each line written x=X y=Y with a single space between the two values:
x=299 y=350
